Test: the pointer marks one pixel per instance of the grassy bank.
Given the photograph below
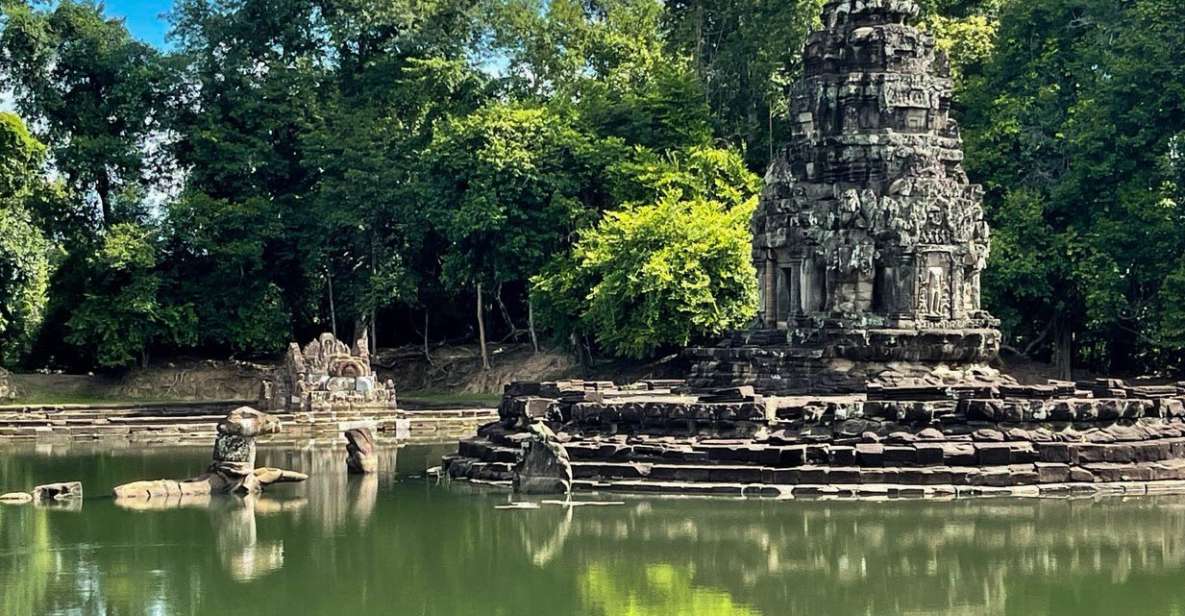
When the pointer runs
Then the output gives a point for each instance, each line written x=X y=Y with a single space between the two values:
x=430 y=399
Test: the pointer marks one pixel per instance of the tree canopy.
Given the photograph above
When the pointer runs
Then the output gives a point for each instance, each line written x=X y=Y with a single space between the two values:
x=409 y=167
x=24 y=250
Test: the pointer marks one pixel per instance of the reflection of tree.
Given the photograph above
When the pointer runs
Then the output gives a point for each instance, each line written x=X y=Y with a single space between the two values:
x=661 y=590
x=973 y=557
x=381 y=545
x=24 y=531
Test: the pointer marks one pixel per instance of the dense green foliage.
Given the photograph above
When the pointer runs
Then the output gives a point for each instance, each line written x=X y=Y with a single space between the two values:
x=661 y=272
x=95 y=88
x=122 y=314
x=1074 y=130
x=305 y=165
x=24 y=251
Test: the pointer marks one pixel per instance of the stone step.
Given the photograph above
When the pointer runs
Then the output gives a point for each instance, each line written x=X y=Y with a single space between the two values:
x=920 y=454
x=153 y=421
x=883 y=491
x=1014 y=474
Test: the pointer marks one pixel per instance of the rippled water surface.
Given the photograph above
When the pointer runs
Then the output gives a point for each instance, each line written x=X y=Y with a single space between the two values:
x=400 y=544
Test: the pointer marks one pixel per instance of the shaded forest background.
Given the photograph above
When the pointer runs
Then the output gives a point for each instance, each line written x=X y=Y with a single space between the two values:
x=576 y=172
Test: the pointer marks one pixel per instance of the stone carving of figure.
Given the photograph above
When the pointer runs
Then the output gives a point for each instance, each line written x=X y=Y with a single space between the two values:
x=233 y=468
x=935 y=230
x=849 y=214
x=934 y=291
x=974 y=263
x=870 y=207
x=851 y=119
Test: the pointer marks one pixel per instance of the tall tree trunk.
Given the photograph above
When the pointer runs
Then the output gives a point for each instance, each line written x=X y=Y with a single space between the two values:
x=771 y=135
x=699 y=41
x=374 y=329
x=360 y=326
x=427 y=352
x=103 y=188
x=531 y=323
x=576 y=346
x=505 y=313
x=332 y=308
x=481 y=331
x=1063 y=350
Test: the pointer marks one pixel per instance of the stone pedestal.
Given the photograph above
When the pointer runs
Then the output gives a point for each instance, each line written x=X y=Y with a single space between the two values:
x=846 y=360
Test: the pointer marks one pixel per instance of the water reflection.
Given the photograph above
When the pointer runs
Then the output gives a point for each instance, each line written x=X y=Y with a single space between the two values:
x=387 y=544
x=544 y=540
x=336 y=499
x=233 y=520
x=661 y=589
x=988 y=557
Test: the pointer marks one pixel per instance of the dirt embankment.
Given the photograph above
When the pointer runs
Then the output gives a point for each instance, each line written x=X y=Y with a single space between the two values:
x=458 y=368
x=449 y=370
x=167 y=380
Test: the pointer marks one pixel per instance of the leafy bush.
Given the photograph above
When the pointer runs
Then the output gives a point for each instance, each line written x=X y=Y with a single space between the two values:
x=24 y=250
x=662 y=273
x=123 y=314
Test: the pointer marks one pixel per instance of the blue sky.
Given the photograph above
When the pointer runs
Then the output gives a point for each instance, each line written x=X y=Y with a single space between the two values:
x=145 y=19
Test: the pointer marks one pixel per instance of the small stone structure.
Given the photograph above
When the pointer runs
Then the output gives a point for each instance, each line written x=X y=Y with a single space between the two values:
x=869 y=241
x=233 y=468
x=866 y=373
x=327 y=376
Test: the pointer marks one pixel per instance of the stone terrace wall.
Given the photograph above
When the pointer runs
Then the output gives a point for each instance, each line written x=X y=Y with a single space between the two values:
x=923 y=440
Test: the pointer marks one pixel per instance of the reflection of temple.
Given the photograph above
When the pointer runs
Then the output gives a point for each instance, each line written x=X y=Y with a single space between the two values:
x=986 y=557
x=869 y=241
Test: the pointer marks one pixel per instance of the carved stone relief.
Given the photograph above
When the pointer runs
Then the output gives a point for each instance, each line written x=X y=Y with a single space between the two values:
x=867 y=208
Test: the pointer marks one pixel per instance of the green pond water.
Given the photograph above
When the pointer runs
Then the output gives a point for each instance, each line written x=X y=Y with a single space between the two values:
x=398 y=543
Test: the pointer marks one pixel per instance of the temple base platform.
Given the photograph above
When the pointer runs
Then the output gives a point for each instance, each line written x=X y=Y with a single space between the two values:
x=1061 y=438
x=846 y=360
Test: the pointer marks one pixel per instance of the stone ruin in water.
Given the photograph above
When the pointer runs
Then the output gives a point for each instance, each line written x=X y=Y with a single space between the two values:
x=867 y=372
x=328 y=376
x=232 y=470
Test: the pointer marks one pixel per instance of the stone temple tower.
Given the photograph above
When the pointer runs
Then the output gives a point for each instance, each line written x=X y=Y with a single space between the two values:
x=869 y=240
